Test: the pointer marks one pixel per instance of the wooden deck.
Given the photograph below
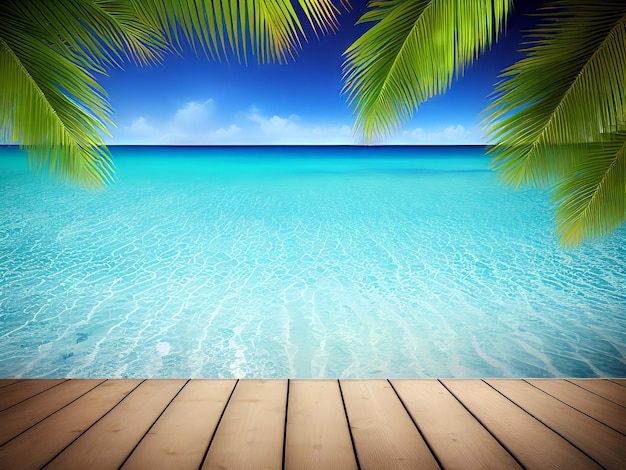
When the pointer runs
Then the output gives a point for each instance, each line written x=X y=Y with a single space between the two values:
x=325 y=424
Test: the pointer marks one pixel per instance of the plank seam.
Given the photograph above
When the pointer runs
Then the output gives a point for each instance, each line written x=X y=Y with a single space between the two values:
x=545 y=425
x=32 y=396
x=573 y=407
x=92 y=424
x=345 y=411
x=419 y=431
x=513 y=456
x=285 y=424
x=217 y=425
x=616 y=383
x=55 y=411
x=597 y=394
x=152 y=425
x=12 y=383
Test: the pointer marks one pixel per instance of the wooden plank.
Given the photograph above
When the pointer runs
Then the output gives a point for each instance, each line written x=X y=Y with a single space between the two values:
x=317 y=433
x=22 y=416
x=605 y=445
x=109 y=442
x=181 y=436
x=384 y=435
x=6 y=382
x=250 y=434
x=37 y=446
x=605 y=388
x=533 y=444
x=599 y=408
x=454 y=435
x=621 y=382
x=23 y=390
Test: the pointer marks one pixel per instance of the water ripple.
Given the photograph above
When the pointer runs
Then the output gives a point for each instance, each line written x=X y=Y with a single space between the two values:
x=310 y=274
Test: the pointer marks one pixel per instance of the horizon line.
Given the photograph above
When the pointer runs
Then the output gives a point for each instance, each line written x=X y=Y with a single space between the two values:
x=271 y=145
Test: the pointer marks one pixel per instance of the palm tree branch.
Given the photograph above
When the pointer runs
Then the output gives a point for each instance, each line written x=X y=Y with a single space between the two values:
x=102 y=33
x=591 y=198
x=567 y=91
x=370 y=73
x=54 y=127
x=413 y=52
x=269 y=29
x=321 y=14
x=136 y=40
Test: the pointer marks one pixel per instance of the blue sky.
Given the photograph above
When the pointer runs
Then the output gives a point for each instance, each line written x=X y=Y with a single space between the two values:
x=190 y=100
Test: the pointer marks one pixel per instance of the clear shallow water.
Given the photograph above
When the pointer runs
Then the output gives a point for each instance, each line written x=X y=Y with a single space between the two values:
x=300 y=262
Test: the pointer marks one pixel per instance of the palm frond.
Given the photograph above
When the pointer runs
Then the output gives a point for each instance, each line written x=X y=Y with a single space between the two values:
x=269 y=29
x=51 y=102
x=117 y=24
x=322 y=14
x=102 y=33
x=50 y=123
x=591 y=198
x=412 y=53
x=567 y=92
x=49 y=50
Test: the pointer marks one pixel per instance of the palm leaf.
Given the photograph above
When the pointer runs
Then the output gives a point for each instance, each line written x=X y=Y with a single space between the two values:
x=123 y=33
x=322 y=15
x=45 y=96
x=269 y=29
x=591 y=198
x=49 y=51
x=52 y=104
x=568 y=91
x=100 y=32
x=413 y=52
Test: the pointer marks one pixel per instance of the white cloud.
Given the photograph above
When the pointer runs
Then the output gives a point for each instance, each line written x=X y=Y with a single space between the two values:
x=291 y=130
x=276 y=125
x=194 y=114
x=225 y=136
x=451 y=135
x=199 y=123
x=190 y=124
x=141 y=128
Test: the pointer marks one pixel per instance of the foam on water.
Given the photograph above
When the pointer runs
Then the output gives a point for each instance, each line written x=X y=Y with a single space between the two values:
x=300 y=262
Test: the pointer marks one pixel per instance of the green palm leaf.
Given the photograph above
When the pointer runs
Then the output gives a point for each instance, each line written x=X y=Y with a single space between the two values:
x=269 y=29
x=567 y=92
x=413 y=52
x=55 y=130
x=591 y=198
x=554 y=109
x=51 y=103
x=49 y=50
x=100 y=32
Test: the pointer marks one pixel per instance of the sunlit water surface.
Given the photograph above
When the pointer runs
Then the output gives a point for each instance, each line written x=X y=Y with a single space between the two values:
x=300 y=262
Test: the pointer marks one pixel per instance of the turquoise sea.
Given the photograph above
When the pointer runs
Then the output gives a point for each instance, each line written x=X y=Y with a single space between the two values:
x=300 y=262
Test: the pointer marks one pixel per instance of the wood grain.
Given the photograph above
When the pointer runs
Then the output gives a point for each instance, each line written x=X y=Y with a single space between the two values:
x=384 y=435
x=181 y=436
x=603 y=444
x=250 y=434
x=37 y=446
x=317 y=429
x=20 y=417
x=19 y=391
x=533 y=444
x=603 y=410
x=368 y=424
x=6 y=382
x=109 y=441
x=605 y=388
x=454 y=435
